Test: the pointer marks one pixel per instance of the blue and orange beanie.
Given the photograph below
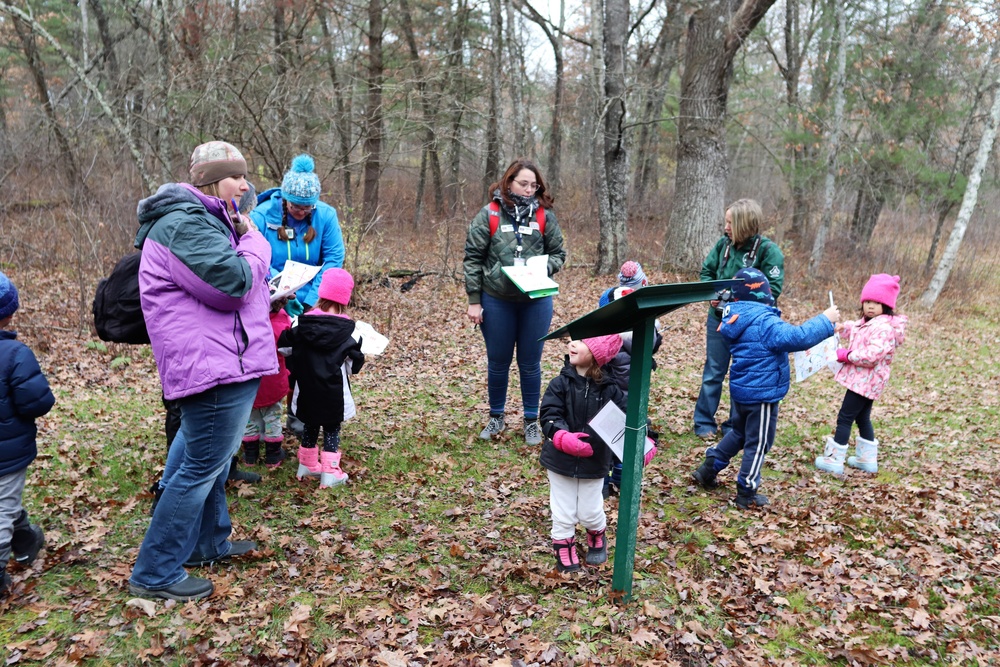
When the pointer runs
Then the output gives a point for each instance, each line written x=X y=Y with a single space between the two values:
x=753 y=286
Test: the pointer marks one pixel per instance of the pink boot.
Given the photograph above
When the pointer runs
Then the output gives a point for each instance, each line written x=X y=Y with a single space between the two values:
x=308 y=462
x=331 y=475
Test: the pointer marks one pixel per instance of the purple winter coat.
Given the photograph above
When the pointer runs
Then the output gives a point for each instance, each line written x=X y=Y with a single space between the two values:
x=204 y=293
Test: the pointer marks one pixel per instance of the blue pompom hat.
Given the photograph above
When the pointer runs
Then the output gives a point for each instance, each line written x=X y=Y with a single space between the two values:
x=8 y=297
x=301 y=184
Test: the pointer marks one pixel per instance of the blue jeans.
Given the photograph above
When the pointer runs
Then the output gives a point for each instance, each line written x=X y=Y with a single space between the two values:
x=716 y=366
x=192 y=518
x=753 y=432
x=507 y=324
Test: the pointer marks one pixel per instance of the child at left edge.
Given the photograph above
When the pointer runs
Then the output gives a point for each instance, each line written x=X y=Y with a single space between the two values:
x=24 y=396
x=322 y=353
x=758 y=379
x=575 y=457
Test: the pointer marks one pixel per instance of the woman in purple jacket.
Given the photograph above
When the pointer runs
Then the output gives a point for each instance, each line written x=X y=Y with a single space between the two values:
x=203 y=285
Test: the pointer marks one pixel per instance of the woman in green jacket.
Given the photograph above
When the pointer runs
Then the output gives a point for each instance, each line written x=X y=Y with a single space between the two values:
x=516 y=225
x=741 y=246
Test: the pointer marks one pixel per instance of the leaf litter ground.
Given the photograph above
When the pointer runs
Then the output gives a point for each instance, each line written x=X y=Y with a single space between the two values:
x=437 y=551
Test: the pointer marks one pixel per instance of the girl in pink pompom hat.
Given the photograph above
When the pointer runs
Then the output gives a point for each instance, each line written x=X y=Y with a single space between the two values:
x=866 y=361
x=325 y=351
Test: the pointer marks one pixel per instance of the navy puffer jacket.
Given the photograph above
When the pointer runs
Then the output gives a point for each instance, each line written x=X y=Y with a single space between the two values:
x=760 y=342
x=24 y=396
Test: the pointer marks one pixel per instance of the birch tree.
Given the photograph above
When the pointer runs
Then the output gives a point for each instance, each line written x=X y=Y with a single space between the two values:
x=969 y=199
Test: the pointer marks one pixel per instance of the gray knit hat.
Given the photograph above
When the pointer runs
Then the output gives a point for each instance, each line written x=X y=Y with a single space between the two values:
x=213 y=161
x=8 y=297
x=301 y=184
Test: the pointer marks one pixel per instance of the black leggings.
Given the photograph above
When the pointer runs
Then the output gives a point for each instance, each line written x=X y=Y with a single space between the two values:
x=855 y=409
x=331 y=437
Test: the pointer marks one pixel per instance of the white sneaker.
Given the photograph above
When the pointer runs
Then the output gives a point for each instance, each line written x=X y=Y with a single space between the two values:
x=532 y=432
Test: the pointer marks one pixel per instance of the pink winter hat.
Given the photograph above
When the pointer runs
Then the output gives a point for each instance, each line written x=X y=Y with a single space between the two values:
x=336 y=286
x=882 y=288
x=604 y=348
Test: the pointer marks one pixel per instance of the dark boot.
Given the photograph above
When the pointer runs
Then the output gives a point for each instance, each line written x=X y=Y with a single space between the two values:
x=597 y=547
x=747 y=499
x=4 y=581
x=705 y=474
x=566 y=557
x=251 y=452
x=26 y=541
x=275 y=454
x=237 y=475
x=157 y=491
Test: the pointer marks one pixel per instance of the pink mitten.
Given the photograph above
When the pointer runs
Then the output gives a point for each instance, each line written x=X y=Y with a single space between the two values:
x=842 y=355
x=649 y=456
x=572 y=443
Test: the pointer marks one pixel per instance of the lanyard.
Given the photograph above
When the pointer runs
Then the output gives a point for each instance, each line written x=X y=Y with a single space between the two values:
x=289 y=246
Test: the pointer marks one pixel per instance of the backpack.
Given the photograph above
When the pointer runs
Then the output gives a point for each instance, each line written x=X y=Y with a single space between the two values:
x=117 y=311
x=495 y=218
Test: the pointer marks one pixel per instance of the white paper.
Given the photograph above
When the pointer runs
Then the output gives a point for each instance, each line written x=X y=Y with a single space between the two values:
x=819 y=356
x=533 y=277
x=291 y=278
x=372 y=342
x=609 y=424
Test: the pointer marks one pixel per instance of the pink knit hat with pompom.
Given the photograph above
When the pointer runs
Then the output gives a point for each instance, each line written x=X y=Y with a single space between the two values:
x=336 y=286
x=881 y=288
x=604 y=348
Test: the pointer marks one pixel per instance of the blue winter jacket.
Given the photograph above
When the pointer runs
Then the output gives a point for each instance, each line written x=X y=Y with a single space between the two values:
x=24 y=396
x=325 y=250
x=760 y=341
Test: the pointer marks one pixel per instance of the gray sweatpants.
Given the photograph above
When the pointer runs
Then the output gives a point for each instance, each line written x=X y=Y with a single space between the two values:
x=11 y=488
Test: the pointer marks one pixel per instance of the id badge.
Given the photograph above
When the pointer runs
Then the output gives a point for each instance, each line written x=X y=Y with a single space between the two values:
x=519 y=261
x=524 y=230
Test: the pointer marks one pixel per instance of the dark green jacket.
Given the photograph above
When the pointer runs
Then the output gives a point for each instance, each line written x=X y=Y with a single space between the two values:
x=768 y=259
x=485 y=255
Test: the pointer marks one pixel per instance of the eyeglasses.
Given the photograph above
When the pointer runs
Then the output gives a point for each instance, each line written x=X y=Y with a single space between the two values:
x=298 y=208
x=528 y=186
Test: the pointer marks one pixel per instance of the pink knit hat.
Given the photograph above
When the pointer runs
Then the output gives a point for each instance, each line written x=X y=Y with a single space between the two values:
x=336 y=286
x=881 y=288
x=604 y=348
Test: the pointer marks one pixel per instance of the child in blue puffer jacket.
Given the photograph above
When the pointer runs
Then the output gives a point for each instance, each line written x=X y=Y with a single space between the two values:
x=758 y=379
x=24 y=396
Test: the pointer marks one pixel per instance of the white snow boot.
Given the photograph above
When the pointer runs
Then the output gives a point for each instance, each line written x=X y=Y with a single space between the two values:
x=867 y=456
x=833 y=457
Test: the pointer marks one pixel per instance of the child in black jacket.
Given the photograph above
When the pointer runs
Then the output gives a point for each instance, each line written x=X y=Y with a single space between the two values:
x=24 y=396
x=322 y=354
x=577 y=467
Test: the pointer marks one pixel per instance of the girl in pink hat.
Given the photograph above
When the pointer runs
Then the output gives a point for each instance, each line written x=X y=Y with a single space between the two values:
x=871 y=345
x=576 y=458
x=324 y=352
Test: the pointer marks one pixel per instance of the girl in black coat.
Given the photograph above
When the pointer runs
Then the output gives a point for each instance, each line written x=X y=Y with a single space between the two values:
x=323 y=352
x=576 y=458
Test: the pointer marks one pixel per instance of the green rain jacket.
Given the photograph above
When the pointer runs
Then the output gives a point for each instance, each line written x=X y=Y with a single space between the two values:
x=768 y=259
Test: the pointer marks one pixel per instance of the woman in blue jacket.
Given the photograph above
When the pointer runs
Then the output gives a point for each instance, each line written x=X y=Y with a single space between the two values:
x=300 y=227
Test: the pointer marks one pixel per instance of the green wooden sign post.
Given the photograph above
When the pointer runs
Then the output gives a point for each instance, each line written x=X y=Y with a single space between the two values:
x=636 y=311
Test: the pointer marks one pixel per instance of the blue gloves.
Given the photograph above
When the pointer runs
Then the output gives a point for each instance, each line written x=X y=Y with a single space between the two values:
x=294 y=308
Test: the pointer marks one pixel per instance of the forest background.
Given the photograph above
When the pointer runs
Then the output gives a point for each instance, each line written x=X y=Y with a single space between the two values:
x=856 y=124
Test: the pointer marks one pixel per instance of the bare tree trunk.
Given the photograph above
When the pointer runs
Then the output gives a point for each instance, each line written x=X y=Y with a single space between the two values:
x=429 y=151
x=455 y=62
x=374 y=113
x=833 y=143
x=519 y=114
x=796 y=150
x=715 y=34
x=343 y=114
x=664 y=56
x=555 y=37
x=492 y=167
x=612 y=248
x=108 y=53
x=599 y=173
x=969 y=199
x=163 y=66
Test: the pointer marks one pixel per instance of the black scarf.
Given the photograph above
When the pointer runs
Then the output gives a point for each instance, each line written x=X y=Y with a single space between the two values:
x=524 y=207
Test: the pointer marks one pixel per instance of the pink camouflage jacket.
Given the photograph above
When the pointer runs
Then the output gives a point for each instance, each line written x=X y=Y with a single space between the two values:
x=871 y=346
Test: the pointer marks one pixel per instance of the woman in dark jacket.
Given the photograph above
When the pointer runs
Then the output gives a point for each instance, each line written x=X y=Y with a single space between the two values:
x=518 y=224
